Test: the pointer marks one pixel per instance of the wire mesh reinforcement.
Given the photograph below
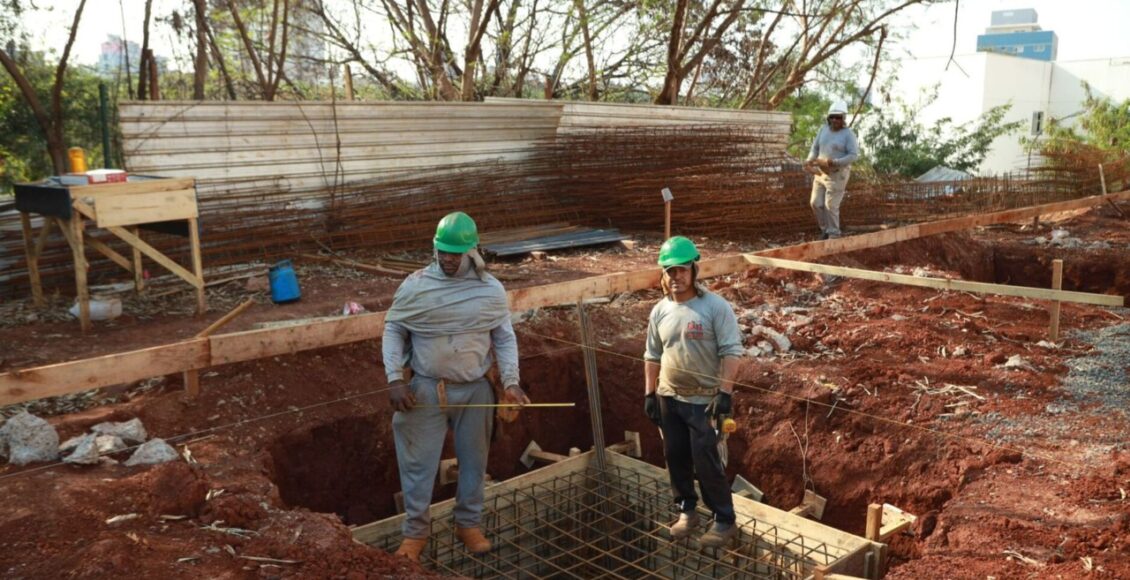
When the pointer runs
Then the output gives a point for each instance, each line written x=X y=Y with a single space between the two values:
x=611 y=524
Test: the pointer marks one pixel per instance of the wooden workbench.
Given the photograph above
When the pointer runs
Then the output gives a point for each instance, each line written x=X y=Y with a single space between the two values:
x=122 y=209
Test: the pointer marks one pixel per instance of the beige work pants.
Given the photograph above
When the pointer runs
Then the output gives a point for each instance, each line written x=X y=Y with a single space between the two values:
x=828 y=191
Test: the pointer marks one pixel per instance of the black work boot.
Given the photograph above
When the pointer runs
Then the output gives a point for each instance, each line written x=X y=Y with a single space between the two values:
x=688 y=522
x=719 y=535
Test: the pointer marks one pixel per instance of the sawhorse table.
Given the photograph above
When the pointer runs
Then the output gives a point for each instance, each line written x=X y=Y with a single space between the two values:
x=123 y=209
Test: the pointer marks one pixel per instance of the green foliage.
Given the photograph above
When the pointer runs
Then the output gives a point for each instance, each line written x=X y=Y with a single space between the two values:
x=23 y=148
x=1105 y=125
x=895 y=142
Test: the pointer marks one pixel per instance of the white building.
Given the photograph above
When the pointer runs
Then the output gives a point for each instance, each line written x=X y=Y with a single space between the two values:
x=1037 y=90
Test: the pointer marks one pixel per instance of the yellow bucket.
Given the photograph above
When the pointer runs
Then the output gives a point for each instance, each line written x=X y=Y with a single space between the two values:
x=78 y=159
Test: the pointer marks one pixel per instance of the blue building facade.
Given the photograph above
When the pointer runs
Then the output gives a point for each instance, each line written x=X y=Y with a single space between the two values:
x=1035 y=44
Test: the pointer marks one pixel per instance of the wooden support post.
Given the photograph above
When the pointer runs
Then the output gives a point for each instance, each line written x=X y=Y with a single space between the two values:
x=32 y=251
x=348 y=83
x=1053 y=310
x=874 y=522
x=192 y=376
x=667 y=221
x=138 y=272
x=80 y=271
x=197 y=265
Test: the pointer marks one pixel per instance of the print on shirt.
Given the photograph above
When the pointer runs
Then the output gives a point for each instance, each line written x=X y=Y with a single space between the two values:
x=694 y=330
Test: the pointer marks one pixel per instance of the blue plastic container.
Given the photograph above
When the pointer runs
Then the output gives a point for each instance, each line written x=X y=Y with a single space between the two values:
x=284 y=283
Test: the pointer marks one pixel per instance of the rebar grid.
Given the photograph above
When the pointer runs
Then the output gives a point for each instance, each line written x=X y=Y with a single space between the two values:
x=611 y=524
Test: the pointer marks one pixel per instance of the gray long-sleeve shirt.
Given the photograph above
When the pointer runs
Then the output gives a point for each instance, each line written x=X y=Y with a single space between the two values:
x=459 y=358
x=839 y=146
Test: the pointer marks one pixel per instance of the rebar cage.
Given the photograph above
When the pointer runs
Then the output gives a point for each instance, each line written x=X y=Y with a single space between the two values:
x=590 y=523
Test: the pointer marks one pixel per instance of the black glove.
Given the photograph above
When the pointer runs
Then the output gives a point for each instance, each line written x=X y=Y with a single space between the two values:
x=651 y=408
x=721 y=404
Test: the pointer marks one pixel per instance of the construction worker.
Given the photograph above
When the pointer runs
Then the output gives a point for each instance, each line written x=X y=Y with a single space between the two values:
x=693 y=349
x=443 y=323
x=833 y=151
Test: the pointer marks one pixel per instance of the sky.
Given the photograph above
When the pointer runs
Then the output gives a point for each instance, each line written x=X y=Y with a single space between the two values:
x=1087 y=29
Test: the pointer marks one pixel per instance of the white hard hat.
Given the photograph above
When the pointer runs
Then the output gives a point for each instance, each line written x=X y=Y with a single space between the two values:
x=837 y=108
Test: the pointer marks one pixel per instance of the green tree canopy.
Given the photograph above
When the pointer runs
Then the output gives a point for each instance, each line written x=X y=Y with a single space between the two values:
x=896 y=142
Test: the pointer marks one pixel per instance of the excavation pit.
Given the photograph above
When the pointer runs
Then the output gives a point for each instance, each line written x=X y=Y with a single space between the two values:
x=573 y=520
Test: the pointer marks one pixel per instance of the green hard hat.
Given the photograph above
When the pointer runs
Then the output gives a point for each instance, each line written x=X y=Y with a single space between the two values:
x=456 y=233
x=676 y=251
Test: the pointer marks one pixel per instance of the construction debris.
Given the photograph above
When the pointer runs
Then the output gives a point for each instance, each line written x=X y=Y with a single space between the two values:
x=153 y=452
x=26 y=438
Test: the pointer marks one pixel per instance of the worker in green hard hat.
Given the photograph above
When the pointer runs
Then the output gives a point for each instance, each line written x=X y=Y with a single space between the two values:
x=692 y=354
x=445 y=322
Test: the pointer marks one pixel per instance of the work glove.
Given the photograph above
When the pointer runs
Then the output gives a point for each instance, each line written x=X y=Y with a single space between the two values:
x=401 y=396
x=721 y=404
x=651 y=408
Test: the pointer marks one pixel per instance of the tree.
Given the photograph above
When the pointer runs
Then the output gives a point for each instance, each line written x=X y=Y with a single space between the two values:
x=23 y=151
x=1105 y=125
x=897 y=143
x=50 y=121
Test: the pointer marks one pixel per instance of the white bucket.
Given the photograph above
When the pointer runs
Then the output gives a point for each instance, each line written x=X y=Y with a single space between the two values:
x=101 y=309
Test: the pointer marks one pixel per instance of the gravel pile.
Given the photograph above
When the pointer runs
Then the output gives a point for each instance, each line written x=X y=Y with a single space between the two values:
x=1100 y=376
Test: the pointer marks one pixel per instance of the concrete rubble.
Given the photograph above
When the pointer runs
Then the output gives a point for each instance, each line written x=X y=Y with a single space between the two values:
x=131 y=431
x=153 y=452
x=29 y=439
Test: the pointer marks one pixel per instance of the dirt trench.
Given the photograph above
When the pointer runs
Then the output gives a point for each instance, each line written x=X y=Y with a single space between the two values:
x=855 y=425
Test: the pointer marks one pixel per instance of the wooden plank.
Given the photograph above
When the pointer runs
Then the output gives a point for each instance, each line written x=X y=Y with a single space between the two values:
x=143 y=208
x=940 y=283
x=131 y=187
x=223 y=320
x=255 y=344
x=138 y=270
x=817 y=249
x=197 y=264
x=569 y=292
x=874 y=522
x=92 y=373
x=111 y=253
x=1053 y=308
x=76 y=239
x=156 y=256
x=32 y=250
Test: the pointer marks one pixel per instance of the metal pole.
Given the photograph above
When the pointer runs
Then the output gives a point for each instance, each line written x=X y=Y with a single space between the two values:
x=103 y=105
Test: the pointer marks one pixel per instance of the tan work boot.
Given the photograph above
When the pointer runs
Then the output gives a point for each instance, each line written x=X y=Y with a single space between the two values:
x=719 y=535
x=688 y=522
x=411 y=547
x=474 y=539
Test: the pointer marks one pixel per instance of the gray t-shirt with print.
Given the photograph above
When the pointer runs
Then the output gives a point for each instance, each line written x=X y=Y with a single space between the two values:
x=689 y=340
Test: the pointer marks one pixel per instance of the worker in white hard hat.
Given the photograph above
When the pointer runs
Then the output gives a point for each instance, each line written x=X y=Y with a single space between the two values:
x=830 y=159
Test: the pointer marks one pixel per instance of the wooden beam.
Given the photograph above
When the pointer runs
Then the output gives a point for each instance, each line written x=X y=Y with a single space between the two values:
x=192 y=377
x=822 y=248
x=1053 y=309
x=156 y=256
x=77 y=236
x=138 y=271
x=874 y=522
x=197 y=263
x=32 y=249
x=111 y=253
x=92 y=373
x=941 y=283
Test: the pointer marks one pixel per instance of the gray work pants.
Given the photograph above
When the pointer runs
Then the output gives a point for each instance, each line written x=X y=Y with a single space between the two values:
x=827 y=195
x=419 y=436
